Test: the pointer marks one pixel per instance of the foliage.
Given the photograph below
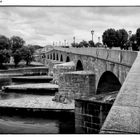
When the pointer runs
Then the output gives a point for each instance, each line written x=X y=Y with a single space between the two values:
x=4 y=43
x=110 y=38
x=98 y=44
x=138 y=36
x=16 y=48
x=73 y=44
x=17 y=55
x=4 y=50
x=80 y=45
x=83 y=44
x=122 y=37
x=27 y=54
x=113 y=38
x=76 y=45
x=16 y=43
x=91 y=43
x=133 y=41
x=4 y=56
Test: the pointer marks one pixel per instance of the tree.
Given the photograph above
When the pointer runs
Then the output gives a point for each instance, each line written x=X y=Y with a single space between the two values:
x=27 y=54
x=4 y=50
x=98 y=44
x=4 y=43
x=84 y=44
x=91 y=43
x=138 y=36
x=122 y=38
x=133 y=42
x=110 y=38
x=73 y=45
x=16 y=43
x=17 y=55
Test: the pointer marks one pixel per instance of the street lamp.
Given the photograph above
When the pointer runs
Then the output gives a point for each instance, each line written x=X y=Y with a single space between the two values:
x=129 y=34
x=99 y=39
x=64 y=42
x=74 y=40
x=59 y=43
x=92 y=32
x=53 y=43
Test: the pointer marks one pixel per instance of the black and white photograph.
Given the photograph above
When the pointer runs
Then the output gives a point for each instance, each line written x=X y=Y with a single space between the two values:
x=69 y=69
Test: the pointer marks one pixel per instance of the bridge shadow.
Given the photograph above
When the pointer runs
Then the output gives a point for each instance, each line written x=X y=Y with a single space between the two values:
x=67 y=59
x=79 y=66
x=108 y=83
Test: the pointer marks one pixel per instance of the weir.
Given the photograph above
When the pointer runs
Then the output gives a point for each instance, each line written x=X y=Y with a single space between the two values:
x=83 y=85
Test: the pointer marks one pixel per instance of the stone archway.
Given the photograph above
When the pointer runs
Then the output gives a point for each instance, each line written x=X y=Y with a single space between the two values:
x=79 y=66
x=53 y=56
x=68 y=59
x=108 y=83
x=57 y=58
x=50 y=56
x=61 y=58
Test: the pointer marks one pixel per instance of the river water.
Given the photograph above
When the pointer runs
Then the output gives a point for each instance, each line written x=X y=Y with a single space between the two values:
x=33 y=123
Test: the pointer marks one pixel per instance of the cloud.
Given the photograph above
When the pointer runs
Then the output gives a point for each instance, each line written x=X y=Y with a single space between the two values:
x=43 y=25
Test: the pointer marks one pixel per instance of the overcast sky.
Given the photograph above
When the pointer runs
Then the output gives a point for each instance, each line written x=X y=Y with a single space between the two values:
x=43 y=25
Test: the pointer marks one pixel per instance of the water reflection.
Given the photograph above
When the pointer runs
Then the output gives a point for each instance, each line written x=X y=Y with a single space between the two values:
x=44 y=124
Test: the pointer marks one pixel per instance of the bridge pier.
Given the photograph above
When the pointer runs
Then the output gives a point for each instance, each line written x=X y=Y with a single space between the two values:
x=75 y=85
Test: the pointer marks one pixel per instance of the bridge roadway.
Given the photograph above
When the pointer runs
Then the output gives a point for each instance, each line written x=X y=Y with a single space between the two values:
x=124 y=116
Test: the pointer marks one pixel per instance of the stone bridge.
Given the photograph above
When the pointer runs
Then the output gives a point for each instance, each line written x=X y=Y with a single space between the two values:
x=110 y=66
x=114 y=70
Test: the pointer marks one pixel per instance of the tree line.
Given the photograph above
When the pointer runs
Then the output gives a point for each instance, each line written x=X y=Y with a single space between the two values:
x=86 y=44
x=114 y=38
x=15 y=47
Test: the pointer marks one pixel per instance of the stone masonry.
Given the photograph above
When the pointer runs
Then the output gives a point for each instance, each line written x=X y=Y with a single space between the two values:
x=74 y=85
x=90 y=115
x=62 y=68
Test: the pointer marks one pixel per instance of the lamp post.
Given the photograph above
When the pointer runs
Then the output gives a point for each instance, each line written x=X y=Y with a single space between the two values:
x=65 y=43
x=74 y=40
x=129 y=35
x=92 y=32
x=59 y=43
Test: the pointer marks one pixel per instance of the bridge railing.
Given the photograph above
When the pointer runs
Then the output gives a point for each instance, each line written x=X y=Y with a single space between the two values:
x=125 y=57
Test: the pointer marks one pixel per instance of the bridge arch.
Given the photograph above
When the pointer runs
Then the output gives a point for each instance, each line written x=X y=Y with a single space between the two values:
x=79 y=66
x=57 y=58
x=108 y=83
x=50 y=56
x=68 y=59
x=61 y=58
x=53 y=56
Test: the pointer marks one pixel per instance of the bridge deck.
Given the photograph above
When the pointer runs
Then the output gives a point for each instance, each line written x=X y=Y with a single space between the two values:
x=122 y=57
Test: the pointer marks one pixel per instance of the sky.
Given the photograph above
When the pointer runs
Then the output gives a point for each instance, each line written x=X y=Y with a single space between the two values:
x=45 y=25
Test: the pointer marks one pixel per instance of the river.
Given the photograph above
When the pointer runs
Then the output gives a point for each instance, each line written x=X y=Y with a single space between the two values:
x=20 y=123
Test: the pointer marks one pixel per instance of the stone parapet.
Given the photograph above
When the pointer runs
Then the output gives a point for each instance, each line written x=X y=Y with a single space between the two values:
x=124 y=116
